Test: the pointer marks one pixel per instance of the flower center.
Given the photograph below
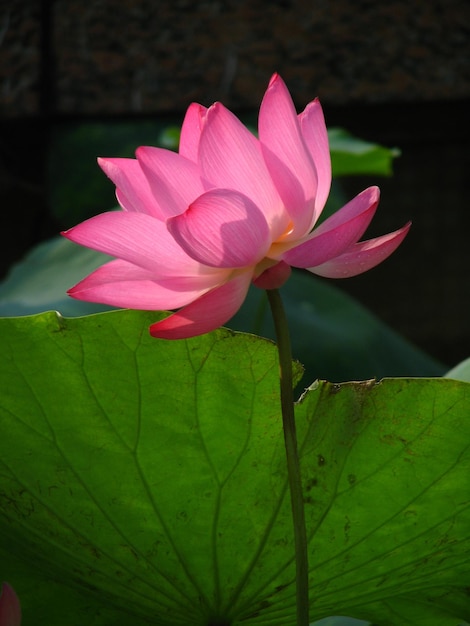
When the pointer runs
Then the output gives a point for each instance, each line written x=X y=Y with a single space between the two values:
x=286 y=233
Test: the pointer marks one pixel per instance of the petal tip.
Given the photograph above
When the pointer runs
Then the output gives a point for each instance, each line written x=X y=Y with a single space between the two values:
x=107 y=165
x=274 y=78
x=68 y=233
x=141 y=152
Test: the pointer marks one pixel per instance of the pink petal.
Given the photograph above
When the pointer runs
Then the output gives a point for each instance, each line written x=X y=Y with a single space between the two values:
x=174 y=180
x=210 y=311
x=191 y=131
x=362 y=203
x=137 y=238
x=312 y=124
x=362 y=256
x=222 y=228
x=124 y=285
x=230 y=157
x=287 y=157
x=336 y=233
x=273 y=277
x=10 y=609
x=133 y=190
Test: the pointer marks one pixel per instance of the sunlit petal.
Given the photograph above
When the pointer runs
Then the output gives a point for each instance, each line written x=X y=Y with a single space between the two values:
x=337 y=233
x=174 y=180
x=137 y=238
x=122 y=284
x=230 y=157
x=222 y=228
x=312 y=124
x=207 y=313
x=363 y=256
x=132 y=188
x=287 y=157
x=191 y=131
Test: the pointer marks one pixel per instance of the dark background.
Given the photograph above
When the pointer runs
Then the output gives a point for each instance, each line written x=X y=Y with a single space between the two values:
x=397 y=73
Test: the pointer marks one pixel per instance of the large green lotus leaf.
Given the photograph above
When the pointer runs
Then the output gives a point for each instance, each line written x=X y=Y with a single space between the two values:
x=143 y=482
x=435 y=607
x=332 y=335
x=340 y=621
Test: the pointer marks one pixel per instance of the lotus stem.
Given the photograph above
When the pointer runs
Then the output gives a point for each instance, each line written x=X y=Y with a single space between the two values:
x=292 y=454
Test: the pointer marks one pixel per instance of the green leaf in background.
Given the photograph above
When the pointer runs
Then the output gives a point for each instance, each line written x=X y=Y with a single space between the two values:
x=40 y=281
x=460 y=371
x=143 y=482
x=333 y=336
x=351 y=156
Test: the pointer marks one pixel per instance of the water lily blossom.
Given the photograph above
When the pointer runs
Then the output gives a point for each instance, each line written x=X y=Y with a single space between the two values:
x=10 y=609
x=197 y=227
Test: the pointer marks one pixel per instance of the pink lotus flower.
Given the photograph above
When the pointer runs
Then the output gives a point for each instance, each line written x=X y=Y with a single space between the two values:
x=10 y=610
x=229 y=209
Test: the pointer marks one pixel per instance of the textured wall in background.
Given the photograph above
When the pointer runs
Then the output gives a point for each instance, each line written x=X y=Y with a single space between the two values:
x=20 y=58
x=142 y=56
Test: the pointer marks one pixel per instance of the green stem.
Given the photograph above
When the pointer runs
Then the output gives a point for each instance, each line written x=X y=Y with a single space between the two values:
x=292 y=454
